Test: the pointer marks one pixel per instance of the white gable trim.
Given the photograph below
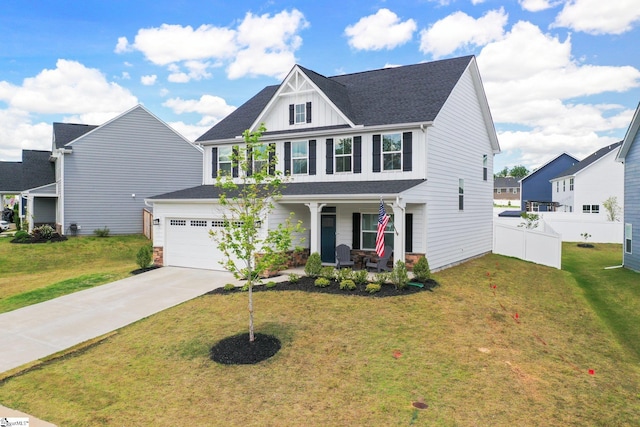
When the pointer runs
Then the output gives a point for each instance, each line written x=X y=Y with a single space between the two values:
x=286 y=88
x=484 y=104
x=629 y=136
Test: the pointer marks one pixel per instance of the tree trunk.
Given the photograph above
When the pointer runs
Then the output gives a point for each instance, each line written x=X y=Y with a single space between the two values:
x=251 y=336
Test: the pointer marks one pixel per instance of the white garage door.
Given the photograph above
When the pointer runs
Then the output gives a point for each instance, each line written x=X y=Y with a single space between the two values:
x=188 y=244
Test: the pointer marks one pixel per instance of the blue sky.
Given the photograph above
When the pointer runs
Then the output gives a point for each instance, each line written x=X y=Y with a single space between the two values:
x=560 y=75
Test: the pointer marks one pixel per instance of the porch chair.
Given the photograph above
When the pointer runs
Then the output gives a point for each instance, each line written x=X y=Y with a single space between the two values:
x=343 y=257
x=381 y=264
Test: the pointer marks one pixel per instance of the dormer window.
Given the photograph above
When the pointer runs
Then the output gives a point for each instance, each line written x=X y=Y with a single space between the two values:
x=299 y=113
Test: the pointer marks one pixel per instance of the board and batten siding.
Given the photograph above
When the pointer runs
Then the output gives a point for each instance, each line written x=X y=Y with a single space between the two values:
x=456 y=144
x=632 y=202
x=134 y=154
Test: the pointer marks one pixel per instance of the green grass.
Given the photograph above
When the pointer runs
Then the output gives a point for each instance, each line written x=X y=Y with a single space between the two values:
x=614 y=294
x=27 y=268
x=348 y=360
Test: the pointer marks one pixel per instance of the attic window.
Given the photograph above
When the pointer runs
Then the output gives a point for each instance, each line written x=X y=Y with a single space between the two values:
x=301 y=116
x=299 y=113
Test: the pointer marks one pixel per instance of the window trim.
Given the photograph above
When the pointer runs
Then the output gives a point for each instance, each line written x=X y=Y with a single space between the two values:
x=294 y=158
x=220 y=170
x=299 y=117
x=485 y=160
x=570 y=184
x=389 y=231
x=398 y=152
x=342 y=156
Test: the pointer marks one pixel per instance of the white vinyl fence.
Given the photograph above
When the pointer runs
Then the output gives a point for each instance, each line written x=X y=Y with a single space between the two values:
x=571 y=225
x=541 y=246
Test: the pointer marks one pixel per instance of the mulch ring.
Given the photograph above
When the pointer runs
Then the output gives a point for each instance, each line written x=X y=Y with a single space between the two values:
x=238 y=350
x=306 y=284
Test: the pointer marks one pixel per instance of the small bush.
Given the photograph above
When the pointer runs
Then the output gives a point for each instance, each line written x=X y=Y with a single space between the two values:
x=421 y=271
x=344 y=274
x=372 y=288
x=347 y=285
x=322 y=282
x=271 y=284
x=360 y=277
x=313 y=266
x=328 y=273
x=229 y=287
x=399 y=275
x=21 y=236
x=381 y=278
x=294 y=278
x=44 y=232
x=104 y=232
x=144 y=256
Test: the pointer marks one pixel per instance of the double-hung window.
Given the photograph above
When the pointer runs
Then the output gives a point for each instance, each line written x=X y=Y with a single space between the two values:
x=344 y=155
x=370 y=231
x=225 y=160
x=300 y=113
x=570 y=184
x=300 y=157
x=392 y=151
x=461 y=194
x=627 y=237
x=260 y=157
x=485 y=160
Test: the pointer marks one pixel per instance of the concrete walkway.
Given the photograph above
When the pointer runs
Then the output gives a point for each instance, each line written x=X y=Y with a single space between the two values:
x=40 y=330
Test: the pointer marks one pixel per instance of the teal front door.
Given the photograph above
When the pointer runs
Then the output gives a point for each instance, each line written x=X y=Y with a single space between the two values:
x=328 y=238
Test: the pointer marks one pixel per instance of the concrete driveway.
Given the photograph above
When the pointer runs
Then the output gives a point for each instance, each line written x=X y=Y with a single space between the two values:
x=37 y=331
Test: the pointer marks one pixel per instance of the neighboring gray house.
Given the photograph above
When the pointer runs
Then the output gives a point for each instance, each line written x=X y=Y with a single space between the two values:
x=419 y=137
x=104 y=173
x=629 y=154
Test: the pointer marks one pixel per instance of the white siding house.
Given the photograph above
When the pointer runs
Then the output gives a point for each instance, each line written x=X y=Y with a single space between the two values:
x=419 y=137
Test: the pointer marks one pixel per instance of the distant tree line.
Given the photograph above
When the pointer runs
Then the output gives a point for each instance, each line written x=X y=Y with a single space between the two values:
x=518 y=172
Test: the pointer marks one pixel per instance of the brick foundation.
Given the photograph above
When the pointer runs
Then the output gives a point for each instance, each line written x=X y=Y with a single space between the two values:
x=158 y=256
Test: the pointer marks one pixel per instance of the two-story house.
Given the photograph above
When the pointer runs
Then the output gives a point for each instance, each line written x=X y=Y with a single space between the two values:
x=104 y=173
x=584 y=186
x=419 y=137
x=506 y=191
x=535 y=188
x=629 y=154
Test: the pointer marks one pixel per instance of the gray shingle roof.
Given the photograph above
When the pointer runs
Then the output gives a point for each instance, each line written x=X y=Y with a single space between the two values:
x=64 y=133
x=35 y=170
x=593 y=157
x=408 y=94
x=11 y=176
x=505 y=182
x=305 y=188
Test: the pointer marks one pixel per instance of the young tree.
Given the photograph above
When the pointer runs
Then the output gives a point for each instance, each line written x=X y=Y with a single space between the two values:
x=249 y=249
x=612 y=207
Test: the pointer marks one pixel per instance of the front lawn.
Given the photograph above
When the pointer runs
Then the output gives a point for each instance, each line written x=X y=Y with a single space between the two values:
x=499 y=342
x=31 y=273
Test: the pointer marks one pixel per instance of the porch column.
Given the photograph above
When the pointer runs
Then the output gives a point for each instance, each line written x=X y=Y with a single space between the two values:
x=399 y=233
x=315 y=209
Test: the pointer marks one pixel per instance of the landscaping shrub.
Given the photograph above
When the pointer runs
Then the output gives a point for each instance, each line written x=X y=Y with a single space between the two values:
x=399 y=275
x=347 y=285
x=322 y=282
x=43 y=232
x=271 y=284
x=314 y=265
x=229 y=287
x=144 y=256
x=361 y=277
x=104 y=232
x=421 y=271
x=294 y=278
x=21 y=236
x=328 y=273
x=372 y=288
x=344 y=274
x=381 y=278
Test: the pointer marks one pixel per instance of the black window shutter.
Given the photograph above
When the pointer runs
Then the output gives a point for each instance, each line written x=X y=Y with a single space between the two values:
x=308 y=112
x=356 y=230
x=357 y=154
x=329 y=156
x=292 y=113
x=287 y=158
x=377 y=150
x=312 y=157
x=407 y=151
x=214 y=162
x=408 y=232
x=234 y=171
x=249 y=162
x=272 y=157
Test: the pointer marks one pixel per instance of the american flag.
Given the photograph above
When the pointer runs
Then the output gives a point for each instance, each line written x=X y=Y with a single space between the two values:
x=383 y=220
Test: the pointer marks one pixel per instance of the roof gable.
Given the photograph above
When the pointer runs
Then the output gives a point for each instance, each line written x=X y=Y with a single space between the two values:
x=551 y=163
x=630 y=136
x=589 y=160
x=407 y=94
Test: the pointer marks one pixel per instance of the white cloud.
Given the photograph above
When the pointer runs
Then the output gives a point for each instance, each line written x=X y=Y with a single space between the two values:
x=459 y=29
x=190 y=53
x=17 y=132
x=212 y=108
x=538 y=5
x=599 y=17
x=384 y=30
x=125 y=76
x=69 y=88
x=534 y=85
x=149 y=80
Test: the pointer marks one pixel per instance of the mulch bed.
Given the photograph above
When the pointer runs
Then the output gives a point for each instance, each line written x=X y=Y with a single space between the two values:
x=306 y=284
x=238 y=350
x=37 y=239
x=144 y=270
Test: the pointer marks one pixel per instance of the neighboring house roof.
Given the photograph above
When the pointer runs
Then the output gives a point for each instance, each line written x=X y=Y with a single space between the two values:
x=35 y=170
x=505 y=182
x=630 y=136
x=408 y=94
x=544 y=166
x=589 y=160
x=308 y=189
x=64 y=133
